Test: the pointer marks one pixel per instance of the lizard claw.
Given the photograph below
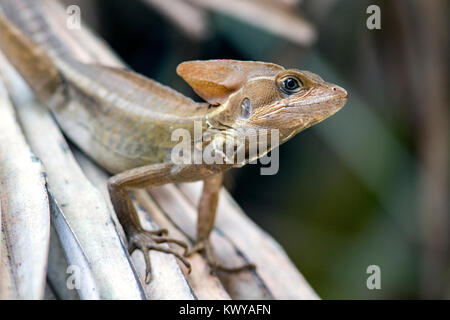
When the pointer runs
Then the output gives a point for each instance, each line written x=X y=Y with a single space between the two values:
x=148 y=240
x=206 y=246
x=159 y=232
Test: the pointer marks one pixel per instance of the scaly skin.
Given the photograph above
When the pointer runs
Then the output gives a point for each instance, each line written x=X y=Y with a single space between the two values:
x=125 y=121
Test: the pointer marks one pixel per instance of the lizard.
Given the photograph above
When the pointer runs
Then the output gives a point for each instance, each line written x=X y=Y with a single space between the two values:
x=125 y=121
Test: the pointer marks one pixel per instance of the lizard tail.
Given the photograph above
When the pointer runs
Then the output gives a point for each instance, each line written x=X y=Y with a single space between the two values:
x=28 y=16
x=31 y=60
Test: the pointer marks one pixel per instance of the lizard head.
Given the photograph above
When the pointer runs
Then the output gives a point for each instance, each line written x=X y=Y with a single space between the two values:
x=258 y=95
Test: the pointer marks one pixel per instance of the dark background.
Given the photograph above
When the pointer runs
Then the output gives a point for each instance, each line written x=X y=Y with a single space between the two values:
x=368 y=186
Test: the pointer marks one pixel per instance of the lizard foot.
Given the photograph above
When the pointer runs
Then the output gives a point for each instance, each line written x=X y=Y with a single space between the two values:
x=145 y=241
x=206 y=246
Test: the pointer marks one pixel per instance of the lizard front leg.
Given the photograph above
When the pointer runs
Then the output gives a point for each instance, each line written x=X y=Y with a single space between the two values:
x=207 y=208
x=143 y=177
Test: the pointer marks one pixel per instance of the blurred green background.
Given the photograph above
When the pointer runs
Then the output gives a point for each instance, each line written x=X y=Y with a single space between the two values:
x=368 y=186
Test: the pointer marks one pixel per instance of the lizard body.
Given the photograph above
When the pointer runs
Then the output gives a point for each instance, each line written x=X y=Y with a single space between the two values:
x=125 y=121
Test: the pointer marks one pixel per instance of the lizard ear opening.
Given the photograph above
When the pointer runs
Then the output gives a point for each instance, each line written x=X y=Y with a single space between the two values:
x=215 y=80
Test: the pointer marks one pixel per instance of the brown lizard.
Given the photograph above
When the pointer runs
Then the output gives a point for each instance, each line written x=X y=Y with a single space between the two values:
x=125 y=121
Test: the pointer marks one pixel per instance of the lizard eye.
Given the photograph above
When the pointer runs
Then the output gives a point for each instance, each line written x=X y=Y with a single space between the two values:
x=291 y=85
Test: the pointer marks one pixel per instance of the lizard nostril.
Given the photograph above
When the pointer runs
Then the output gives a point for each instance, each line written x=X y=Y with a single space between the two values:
x=341 y=91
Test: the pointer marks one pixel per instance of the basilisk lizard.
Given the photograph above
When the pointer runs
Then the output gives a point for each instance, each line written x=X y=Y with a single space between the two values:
x=125 y=121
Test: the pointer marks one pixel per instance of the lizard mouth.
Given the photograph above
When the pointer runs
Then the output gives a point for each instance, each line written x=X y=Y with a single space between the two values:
x=335 y=93
x=316 y=101
x=329 y=103
x=312 y=104
x=326 y=104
